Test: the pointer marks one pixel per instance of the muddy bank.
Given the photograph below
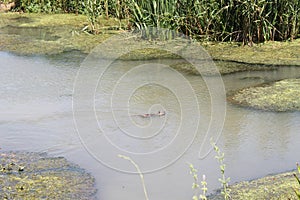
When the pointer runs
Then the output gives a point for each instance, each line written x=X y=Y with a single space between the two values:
x=277 y=96
x=272 y=187
x=224 y=67
x=38 y=176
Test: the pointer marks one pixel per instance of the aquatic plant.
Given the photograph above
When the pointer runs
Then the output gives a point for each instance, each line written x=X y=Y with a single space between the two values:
x=224 y=181
x=196 y=185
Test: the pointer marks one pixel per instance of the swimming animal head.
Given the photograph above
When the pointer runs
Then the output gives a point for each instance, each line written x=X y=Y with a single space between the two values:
x=161 y=113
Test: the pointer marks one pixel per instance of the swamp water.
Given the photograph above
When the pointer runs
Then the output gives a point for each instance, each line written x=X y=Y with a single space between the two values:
x=36 y=115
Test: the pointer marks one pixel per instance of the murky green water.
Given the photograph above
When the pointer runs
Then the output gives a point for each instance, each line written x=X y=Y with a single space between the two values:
x=36 y=115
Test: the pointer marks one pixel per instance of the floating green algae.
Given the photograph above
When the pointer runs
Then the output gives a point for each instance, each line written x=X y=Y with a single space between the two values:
x=277 y=96
x=37 y=176
x=273 y=187
x=268 y=53
x=28 y=34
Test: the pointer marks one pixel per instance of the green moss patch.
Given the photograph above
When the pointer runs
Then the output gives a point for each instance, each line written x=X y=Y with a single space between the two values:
x=37 y=176
x=278 y=96
x=270 y=53
x=275 y=187
x=28 y=34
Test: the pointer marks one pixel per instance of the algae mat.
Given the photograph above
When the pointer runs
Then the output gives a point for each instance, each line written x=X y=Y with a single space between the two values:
x=276 y=187
x=268 y=53
x=29 y=33
x=278 y=96
x=38 y=176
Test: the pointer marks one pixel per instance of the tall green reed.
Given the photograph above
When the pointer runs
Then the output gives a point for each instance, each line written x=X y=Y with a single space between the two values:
x=93 y=10
x=246 y=21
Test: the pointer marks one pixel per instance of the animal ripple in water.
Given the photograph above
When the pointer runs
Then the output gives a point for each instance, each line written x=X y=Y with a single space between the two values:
x=37 y=176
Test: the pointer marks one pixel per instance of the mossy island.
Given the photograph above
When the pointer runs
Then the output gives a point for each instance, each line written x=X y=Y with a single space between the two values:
x=272 y=187
x=279 y=96
x=27 y=175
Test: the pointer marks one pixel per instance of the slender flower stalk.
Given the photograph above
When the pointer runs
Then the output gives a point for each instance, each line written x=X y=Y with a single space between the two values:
x=223 y=180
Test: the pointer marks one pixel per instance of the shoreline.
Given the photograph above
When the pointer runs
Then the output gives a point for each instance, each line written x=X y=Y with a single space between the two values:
x=63 y=32
x=279 y=186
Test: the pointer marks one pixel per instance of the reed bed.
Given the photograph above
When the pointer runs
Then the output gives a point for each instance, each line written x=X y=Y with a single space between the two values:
x=246 y=21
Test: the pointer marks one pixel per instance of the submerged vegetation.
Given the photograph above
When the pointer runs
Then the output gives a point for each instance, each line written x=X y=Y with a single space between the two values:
x=245 y=21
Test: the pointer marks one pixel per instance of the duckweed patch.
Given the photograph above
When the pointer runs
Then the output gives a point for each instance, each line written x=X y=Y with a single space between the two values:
x=37 y=176
x=273 y=187
x=277 y=96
